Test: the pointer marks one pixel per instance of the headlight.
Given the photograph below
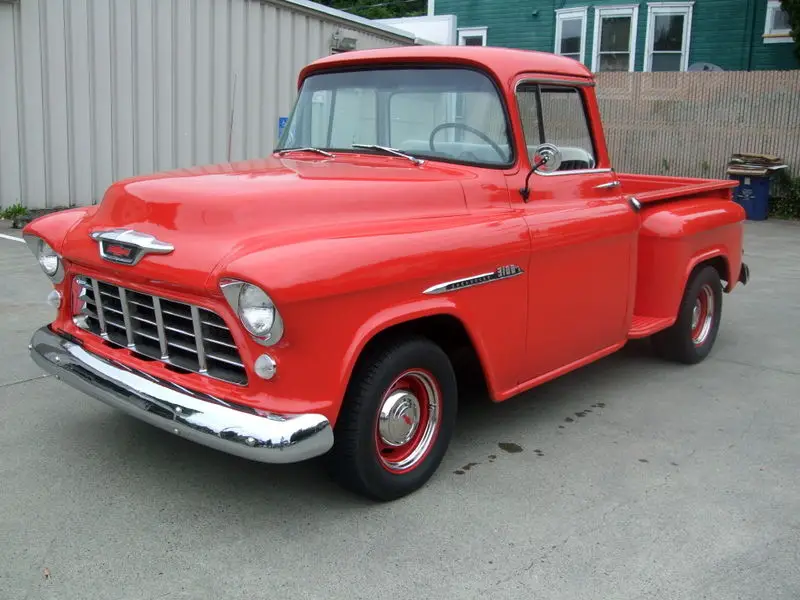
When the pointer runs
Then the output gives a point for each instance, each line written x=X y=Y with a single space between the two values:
x=46 y=257
x=255 y=310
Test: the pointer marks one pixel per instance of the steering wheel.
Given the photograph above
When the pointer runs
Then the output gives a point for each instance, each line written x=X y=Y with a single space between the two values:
x=480 y=134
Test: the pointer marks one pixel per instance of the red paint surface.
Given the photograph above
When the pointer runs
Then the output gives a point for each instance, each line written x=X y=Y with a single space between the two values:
x=345 y=248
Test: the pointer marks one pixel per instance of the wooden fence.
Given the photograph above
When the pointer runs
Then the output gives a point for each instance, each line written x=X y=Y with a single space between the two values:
x=688 y=124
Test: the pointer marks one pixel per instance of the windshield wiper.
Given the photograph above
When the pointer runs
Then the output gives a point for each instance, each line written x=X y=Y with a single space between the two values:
x=317 y=150
x=414 y=159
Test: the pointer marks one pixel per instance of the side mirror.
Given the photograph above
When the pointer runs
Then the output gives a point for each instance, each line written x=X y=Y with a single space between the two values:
x=547 y=159
x=553 y=155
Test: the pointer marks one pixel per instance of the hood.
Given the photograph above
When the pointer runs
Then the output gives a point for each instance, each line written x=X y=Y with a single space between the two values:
x=213 y=212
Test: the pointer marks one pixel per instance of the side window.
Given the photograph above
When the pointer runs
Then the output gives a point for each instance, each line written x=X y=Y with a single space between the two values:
x=556 y=115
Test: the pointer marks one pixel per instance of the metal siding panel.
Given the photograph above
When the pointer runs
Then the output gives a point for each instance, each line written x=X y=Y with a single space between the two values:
x=143 y=82
x=164 y=80
x=56 y=137
x=123 y=107
x=80 y=102
x=285 y=73
x=272 y=83
x=10 y=183
x=221 y=80
x=183 y=76
x=254 y=55
x=34 y=167
x=102 y=123
x=239 y=81
x=203 y=90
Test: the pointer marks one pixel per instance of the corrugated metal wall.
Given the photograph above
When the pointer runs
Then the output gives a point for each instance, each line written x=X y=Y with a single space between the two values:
x=688 y=124
x=92 y=91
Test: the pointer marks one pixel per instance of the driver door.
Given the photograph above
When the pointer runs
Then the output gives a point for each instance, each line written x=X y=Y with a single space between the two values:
x=583 y=238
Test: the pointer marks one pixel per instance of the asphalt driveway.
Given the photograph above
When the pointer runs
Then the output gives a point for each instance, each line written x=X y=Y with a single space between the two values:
x=631 y=478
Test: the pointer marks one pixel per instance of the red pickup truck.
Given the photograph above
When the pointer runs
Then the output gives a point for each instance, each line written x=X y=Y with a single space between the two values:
x=428 y=213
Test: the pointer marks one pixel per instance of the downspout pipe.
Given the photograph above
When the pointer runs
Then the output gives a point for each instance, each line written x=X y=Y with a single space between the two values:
x=750 y=32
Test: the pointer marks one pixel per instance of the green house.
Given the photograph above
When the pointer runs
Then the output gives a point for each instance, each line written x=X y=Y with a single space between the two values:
x=607 y=35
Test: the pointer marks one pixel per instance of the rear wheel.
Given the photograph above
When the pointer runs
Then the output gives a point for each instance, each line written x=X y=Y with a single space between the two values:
x=690 y=339
x=396 y=420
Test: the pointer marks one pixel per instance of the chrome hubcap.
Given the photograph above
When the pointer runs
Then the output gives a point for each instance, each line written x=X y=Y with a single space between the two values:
x=408 y=421
x=399 y=418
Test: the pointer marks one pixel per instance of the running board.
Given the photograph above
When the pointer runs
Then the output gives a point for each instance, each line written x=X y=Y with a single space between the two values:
x=644 y=326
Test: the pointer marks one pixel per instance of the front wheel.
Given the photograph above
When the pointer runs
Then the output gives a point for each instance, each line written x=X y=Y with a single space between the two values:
x=396 y=420
x=690 y=339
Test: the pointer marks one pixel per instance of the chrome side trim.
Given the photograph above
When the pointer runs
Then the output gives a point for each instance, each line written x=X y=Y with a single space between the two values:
x=498 y=274
x=574 y=172
x=208 y=420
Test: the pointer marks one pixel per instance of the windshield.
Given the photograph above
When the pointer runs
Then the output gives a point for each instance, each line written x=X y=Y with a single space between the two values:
x=451 y=114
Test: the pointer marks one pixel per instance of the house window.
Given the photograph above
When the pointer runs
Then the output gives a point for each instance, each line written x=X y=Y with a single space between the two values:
x=669 y=26
x=571 y=33
x=778 y=27
x=472 y=36
x=615 y=38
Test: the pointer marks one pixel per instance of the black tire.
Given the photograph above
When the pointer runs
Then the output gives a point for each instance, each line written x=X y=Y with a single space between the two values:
x=683 y=342
x=356 y=460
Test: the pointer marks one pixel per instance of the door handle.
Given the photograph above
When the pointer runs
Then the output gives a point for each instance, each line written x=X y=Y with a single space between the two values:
x=607 y=186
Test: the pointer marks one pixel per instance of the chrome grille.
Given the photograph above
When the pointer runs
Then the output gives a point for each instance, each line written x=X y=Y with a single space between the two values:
x=186 y=337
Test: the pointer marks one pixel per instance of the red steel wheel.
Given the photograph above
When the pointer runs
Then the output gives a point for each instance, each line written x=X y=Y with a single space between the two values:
x=690 y=339
x=408 y=421
x=396 y=420
x=702 y=315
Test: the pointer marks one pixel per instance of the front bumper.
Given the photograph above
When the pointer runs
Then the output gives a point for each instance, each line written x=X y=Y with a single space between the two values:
x=200 y=418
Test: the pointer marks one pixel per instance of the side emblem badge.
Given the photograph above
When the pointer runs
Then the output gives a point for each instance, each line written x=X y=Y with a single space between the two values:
x=498 y=274
x=128 y=247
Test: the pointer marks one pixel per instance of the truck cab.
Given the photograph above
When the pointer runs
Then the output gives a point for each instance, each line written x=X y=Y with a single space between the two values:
x=428 y=214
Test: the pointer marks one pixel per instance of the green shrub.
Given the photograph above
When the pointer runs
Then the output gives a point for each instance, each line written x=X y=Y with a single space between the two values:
x=785 y=200
x=14 y=211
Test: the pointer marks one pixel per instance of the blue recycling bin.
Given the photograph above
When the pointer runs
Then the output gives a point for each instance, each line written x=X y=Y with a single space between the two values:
x=752 y=194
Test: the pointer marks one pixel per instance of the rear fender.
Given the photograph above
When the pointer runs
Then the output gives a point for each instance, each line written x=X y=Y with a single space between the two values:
x=675 y=239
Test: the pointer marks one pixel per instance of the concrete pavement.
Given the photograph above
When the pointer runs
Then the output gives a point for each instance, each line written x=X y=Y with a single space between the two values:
x=636 y=479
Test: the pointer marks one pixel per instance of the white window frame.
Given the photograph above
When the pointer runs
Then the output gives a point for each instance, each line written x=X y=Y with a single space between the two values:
x=772 y=36
x=569 y=14
x=654 y=9
x=626 y=10
x=465 y=32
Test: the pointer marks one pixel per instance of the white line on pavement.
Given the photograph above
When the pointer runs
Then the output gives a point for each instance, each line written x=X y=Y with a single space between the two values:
x=11 y=237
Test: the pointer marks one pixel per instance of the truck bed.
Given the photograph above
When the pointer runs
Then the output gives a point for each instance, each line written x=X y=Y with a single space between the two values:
x=657 y=188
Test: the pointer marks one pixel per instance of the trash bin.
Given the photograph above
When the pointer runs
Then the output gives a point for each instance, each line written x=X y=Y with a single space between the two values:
x=752 y=194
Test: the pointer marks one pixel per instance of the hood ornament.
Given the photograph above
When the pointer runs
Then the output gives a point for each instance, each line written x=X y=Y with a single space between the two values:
x=128 y=247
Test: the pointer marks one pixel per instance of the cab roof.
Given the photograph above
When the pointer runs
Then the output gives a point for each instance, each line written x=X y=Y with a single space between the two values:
x=504 y=63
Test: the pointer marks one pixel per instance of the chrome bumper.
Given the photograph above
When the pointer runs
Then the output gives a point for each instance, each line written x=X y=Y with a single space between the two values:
x=197 y=417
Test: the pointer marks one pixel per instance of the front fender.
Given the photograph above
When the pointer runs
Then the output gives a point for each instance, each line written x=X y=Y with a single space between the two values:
x=54 y=227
